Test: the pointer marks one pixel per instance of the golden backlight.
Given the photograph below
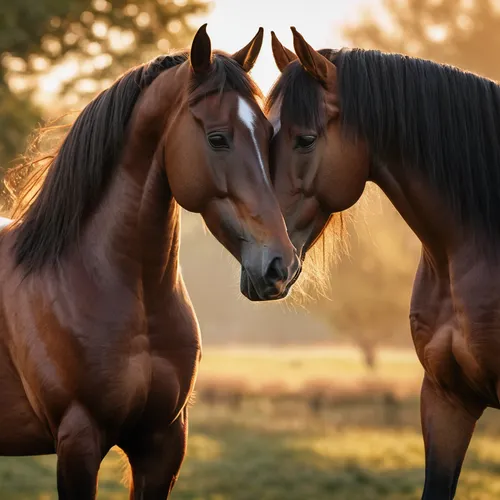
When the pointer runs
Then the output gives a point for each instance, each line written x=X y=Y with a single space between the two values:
x=232 y=23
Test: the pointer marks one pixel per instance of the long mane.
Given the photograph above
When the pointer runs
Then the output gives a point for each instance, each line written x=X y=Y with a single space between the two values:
x=436 y=120
x=82 y=169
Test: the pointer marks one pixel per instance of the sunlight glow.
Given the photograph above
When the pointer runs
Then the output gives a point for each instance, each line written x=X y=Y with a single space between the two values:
x=174 y=26
x=39 y=63
x=87 y=17
x=231 y=25
x=100 y=29
x=53 y=81
x=131 y=10
x=465 y=22
x=119 y=40
x=143 y=19
x=102 y=5
x=437 y=33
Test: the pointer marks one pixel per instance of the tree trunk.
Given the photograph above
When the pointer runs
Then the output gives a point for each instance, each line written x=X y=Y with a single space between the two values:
x=369 y=351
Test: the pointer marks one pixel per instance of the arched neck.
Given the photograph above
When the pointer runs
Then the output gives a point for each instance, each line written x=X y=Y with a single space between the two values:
x=134 y=235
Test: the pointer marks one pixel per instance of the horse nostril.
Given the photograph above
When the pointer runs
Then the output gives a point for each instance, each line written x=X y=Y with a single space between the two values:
x=276 y=271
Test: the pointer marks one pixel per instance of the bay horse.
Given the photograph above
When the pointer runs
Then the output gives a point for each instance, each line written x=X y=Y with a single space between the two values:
x=429 y=136
x=99 y=343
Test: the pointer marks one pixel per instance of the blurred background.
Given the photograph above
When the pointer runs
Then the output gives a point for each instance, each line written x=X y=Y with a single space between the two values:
x=309 y=400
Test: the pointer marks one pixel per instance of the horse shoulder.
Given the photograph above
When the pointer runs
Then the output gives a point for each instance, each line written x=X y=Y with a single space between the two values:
x=455 y=329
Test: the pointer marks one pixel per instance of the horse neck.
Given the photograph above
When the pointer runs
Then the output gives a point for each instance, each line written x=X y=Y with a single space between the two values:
x=134 y=235
x=421 y=207
x=159 y=227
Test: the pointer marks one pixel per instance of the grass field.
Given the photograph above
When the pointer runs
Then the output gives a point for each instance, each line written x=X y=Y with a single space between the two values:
x=265 y=453
x=301 y=363
x=297 y=368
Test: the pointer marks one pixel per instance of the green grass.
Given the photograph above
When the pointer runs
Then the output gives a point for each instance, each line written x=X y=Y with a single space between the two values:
x=246 y=456
x=34 y=478
x=276 y=452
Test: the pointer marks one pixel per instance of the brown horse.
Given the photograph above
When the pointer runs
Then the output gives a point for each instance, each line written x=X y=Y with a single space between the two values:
x=428 y=136
x=99 y=343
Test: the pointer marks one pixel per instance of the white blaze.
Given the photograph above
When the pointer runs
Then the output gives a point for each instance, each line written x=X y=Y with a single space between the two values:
x=275 y=118
x=247 y=116
x=276 y=125
x=4 y=222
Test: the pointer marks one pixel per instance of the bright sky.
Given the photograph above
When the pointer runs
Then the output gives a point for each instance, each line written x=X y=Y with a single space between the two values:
x=233 y=23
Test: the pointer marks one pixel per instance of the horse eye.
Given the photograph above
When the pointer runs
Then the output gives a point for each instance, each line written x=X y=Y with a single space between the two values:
x=218 y=141
x=305 y=141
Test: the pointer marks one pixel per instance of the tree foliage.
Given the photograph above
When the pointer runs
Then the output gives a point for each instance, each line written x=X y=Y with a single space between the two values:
x=457 y=32
x=95 y=40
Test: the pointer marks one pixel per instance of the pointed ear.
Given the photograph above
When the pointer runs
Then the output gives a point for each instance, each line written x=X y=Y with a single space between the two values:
x=247 y=56
x=282 y=56
x=312 y=61
x=201 y=52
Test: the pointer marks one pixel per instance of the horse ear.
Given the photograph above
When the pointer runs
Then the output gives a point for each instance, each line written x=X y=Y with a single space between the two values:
x=247 y=56
x=312 y=61
x=201 y=51
x=282 y=55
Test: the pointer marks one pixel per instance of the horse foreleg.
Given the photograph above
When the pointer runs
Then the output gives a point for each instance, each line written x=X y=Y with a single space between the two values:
x=156 y=458
x=447 y=429
x=79 y=455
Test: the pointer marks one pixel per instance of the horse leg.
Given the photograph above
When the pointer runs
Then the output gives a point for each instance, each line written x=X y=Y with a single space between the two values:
x=79 y=455
x=447 y=429
x=155 y=459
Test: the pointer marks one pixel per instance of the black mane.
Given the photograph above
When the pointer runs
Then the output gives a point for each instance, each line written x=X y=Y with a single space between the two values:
x=83 y=167
x=436 y=119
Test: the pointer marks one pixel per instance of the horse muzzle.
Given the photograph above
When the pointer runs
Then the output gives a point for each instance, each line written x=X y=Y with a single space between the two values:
x=271 y=281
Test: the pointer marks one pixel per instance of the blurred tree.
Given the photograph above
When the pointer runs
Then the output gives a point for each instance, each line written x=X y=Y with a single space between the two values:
x=18 y=116
x=87 y=42
x=367 y=300
x=463 y=33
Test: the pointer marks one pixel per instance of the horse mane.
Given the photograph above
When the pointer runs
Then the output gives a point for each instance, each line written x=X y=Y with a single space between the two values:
x=433 y=119
x=78 y=175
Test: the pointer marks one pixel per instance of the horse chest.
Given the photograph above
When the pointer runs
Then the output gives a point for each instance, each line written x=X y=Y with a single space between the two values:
x=115 y=364
x=158 y=365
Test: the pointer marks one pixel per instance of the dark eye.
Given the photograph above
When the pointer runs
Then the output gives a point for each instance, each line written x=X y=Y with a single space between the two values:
x=218 y=141
x=305 y=141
